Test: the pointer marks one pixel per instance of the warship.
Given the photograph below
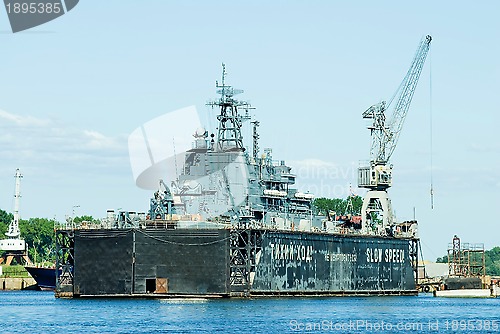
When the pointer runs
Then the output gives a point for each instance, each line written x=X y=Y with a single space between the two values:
x=231 y=224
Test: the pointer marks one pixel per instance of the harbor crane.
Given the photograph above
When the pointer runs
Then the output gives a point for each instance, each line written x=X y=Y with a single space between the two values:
x=14 y=247
x=377 y=176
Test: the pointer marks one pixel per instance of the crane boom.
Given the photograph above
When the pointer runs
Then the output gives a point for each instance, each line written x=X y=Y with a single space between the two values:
x=385 y=135
x=406 y=92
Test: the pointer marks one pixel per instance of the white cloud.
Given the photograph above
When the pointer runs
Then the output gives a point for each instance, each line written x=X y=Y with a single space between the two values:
x=97 y=141
x=24 y=121
x=45 y=143
x=63 y=165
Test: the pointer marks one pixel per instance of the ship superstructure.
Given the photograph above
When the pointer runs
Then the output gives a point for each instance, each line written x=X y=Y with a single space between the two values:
x=222 y=182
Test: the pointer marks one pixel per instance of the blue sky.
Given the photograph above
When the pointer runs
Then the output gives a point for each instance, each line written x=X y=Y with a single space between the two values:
x=73 y=90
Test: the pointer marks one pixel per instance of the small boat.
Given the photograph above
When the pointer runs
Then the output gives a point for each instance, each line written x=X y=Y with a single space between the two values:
x=465 y=293
x=45 y=277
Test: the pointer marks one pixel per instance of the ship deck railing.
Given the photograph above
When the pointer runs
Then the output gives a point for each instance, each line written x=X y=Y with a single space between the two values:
x=205 y=225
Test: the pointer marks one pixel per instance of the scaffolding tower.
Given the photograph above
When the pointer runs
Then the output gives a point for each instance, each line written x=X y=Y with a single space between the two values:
x=465 y=259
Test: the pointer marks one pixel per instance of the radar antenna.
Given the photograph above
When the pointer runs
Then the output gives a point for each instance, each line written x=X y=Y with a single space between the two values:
x=230 y=121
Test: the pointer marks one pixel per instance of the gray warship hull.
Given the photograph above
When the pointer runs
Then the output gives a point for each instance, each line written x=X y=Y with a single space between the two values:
x=232 y=262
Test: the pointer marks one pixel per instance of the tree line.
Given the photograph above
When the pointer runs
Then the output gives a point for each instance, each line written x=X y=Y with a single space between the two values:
x=338 y=206
x=38 y=233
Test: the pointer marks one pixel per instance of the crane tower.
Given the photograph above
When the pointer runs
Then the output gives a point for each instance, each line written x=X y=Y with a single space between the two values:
x=377 y=176
x=14 y=246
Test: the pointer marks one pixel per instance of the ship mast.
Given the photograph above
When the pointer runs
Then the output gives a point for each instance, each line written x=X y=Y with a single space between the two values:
x=255 y=140
x=230 y=121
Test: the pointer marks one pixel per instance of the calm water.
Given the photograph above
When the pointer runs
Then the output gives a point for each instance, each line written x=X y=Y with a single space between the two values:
x=40 y=312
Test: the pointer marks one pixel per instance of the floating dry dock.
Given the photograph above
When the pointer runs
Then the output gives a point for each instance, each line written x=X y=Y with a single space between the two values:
x=231 y=224
x=232 y=262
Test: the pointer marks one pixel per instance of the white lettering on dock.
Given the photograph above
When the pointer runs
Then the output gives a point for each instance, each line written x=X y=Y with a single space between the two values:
x=377 y=255
x=341 y=257
x=290 y=252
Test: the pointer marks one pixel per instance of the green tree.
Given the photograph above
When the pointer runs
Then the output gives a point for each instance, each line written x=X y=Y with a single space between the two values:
x=38 y=233
x=324 y=205
x=492 y=261
x=357 y=205
x=339 y=206
x=5 y=219
x=40 y=237
x=443 y=259
x=89 y=219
